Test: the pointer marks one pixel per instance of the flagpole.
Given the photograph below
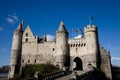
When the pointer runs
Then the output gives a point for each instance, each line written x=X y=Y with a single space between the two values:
x=72 y=33
x=90 y=20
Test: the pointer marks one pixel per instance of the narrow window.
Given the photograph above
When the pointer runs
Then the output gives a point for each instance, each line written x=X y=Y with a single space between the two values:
x=23 y=61
x=28 y=61
x=26 y=40
x=26 y=34
x=53 y=49
x=68 y=45
x=81 y=45
x=71 y=45
x=84 y=44
x=35 y=61
x=76 y=45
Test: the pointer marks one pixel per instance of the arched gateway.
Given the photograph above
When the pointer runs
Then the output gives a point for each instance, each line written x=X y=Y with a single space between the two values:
x=79 y=65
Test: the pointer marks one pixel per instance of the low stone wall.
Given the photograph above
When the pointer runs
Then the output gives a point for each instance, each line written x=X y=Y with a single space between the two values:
x=52 y=76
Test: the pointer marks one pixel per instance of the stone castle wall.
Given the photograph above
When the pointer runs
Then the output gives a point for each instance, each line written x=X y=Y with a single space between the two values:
x=36 y=50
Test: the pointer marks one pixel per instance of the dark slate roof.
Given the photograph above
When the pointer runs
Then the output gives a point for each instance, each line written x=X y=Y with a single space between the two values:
x=62 y=27
x=20 y=26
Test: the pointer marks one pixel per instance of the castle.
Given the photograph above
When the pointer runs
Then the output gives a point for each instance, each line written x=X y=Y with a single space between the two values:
x=61 y=52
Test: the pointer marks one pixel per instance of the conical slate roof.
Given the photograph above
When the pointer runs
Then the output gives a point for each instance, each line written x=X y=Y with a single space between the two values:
x=62 y=27
x=20 y=26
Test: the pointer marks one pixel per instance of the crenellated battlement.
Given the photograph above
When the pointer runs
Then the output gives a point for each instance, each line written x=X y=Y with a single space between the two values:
x=80 y=42
x=90 y=28
x=103 y=50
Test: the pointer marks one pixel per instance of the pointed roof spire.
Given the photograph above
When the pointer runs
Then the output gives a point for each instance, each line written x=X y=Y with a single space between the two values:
x=45 y=38
x=62 y=27
x=20 y=26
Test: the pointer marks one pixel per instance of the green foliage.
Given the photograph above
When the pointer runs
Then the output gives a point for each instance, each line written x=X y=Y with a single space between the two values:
x=31 y=69
x=4 y=69
x=116 y=72
x=99 y=75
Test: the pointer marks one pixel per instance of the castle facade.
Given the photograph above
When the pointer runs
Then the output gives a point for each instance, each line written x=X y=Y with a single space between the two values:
x=61 y=52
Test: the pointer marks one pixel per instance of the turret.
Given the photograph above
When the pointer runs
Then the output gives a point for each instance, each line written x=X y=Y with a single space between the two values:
x=45 y=38
x=16 y=51
x=92 y=43
x=62 y=58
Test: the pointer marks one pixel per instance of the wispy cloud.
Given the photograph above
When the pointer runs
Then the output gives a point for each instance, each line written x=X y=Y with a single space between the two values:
x=4 y=49
x=50 y=37
x=112 y=47
x=115 y=58
x=12 y=19
x=1 y=29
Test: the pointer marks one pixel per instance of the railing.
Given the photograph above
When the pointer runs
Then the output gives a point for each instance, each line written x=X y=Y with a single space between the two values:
x=86 y=76
x=92 y=75
x=52 y=76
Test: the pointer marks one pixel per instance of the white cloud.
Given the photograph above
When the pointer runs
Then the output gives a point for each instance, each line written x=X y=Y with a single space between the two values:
x=78 y=36
x=12 y=19
x=4 y=49
x=50 y=37
x=15 y=17
x=115 y=58
x=1 y=29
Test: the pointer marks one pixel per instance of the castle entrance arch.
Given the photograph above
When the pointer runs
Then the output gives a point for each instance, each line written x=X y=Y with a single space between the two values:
x=78 y=64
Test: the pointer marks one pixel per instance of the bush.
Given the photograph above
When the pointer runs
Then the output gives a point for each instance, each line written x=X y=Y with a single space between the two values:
x=31 y=69
x=99 y=75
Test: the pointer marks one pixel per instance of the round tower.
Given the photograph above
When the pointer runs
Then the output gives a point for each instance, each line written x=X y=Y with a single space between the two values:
x=92 y=43
x=62 y=53
x=16 y=51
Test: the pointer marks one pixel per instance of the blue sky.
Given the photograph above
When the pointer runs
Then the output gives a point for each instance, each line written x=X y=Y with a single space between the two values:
x=44 y=17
